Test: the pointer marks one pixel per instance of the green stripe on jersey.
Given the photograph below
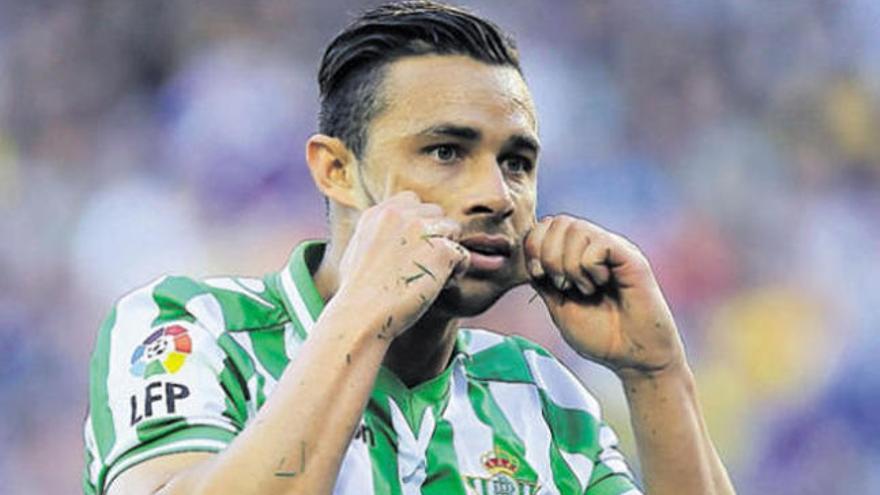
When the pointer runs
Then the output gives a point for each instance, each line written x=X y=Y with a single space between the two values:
x=102 y=417
x=269 y=350
x=306 y=254
x=443 y=471
x=613 y=484
x=573 y=430
x=384 y=454
x=171 y=295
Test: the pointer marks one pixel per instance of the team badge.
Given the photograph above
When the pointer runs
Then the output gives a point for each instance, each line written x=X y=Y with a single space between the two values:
x=502 y=478
x=164 y=351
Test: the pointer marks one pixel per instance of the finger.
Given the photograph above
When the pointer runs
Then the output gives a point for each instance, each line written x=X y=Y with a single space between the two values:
x=552 y=250
x=532 y=247
x=461 y=259
x=576 y=243
x=594 y=261
x=404 y=197
x=439 y=228
x=616 y=248
x=428 y=210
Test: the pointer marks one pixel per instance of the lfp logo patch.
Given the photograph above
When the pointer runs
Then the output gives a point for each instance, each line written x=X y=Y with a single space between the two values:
x=164 y=351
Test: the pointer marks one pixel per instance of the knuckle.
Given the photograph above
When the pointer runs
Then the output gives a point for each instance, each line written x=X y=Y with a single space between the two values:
x=371 y=212
x=383 y=209
x=449 y=249
x=408 y=195
x=553 y=265
x=572 y=264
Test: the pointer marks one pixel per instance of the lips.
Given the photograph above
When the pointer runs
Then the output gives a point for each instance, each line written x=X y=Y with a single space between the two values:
x=488 y=252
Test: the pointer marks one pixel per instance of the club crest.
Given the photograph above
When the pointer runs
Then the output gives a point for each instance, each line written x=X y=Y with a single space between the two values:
x=501 y=477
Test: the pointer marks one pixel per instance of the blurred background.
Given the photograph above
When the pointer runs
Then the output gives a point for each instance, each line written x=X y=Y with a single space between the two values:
x=738 y=142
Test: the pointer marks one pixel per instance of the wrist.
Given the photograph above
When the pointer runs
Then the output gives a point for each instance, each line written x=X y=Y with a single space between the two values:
x=677 y=371
x=360 y=314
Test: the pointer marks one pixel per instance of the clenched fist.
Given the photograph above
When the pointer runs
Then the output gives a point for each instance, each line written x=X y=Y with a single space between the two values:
x=602 y=295
x=402 y=254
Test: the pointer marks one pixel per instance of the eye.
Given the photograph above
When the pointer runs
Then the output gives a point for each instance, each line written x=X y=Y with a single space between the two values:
x=517 y=164
x=444 y=153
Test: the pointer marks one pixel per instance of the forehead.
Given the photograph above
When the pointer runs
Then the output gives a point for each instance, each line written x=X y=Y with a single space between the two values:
x=423 y=90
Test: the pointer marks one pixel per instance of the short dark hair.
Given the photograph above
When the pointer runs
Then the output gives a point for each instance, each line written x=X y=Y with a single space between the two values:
x=351 y=69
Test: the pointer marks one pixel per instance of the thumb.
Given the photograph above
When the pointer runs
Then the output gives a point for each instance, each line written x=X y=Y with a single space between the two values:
x=462 y=260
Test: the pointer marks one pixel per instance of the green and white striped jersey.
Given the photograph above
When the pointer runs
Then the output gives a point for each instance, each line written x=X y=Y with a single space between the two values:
x=183 y=366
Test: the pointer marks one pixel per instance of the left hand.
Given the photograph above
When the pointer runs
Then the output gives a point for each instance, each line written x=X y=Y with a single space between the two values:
x=602 y=295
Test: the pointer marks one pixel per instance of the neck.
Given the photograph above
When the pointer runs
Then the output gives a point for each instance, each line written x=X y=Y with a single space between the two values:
x=423 y=351
x=419 y=353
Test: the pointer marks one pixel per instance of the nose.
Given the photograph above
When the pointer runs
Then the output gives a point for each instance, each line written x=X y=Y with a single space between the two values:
x=487 y=193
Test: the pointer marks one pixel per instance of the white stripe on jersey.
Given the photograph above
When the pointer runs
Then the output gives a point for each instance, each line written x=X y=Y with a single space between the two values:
x=580 y=465
x=253 y=284
x=609 y=455
x=482 y=340
x=244 y=341
x=94 y=467
x=513 y=399
x=412 y=460
x=230 y=285
x=471 y=438
x=560 y=384
x=292 y=341
x=207 y=310
x=565 y=391
x=134 y=320
x=299 y=306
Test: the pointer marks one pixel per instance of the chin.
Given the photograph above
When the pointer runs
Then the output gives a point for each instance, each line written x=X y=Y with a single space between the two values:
x=469 y=297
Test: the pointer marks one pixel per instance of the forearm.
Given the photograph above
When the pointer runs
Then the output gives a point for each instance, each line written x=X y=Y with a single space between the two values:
x=296 y=442
x=676 y=452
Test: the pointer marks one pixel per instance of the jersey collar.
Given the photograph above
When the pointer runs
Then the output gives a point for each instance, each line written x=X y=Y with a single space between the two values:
x=298 y=292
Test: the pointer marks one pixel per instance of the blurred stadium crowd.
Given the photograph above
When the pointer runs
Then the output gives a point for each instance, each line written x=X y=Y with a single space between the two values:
x=738 y=142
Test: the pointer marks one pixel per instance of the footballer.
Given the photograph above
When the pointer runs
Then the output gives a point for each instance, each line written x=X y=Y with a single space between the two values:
x=347 y=371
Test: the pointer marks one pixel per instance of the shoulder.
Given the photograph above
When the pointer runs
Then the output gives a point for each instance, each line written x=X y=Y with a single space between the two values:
x=496 y=357
x=172 y=320
x=218 y=303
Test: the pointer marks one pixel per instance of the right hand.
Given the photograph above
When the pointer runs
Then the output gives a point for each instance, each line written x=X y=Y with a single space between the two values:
x=402 y=253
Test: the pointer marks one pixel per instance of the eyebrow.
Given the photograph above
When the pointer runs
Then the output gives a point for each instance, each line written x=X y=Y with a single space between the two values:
x=451 y=130
x=517 y=141
x=520 y=141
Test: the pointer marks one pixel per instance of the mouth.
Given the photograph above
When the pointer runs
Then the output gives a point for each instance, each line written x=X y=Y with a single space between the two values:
x=488 y=253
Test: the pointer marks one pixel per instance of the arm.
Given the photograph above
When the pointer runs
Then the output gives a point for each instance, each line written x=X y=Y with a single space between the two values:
x=297 y=441
x=602 y=295
x=668 y=427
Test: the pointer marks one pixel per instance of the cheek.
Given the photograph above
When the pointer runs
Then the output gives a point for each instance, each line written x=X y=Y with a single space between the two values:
x=400 y=171
x=432 y=182
x=525 y=199
x=428 y=186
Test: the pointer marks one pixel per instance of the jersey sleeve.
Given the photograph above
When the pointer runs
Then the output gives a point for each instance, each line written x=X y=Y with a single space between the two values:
x=586 y=444
x=159 y=384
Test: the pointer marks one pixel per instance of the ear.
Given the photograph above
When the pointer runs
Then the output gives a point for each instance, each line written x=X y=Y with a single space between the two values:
x=333 y=167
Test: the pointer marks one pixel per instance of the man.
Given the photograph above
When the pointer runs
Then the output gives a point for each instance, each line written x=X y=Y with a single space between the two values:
x=346 y=372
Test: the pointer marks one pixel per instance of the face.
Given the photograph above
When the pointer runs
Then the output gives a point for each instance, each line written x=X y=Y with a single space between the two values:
x=462 y=134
